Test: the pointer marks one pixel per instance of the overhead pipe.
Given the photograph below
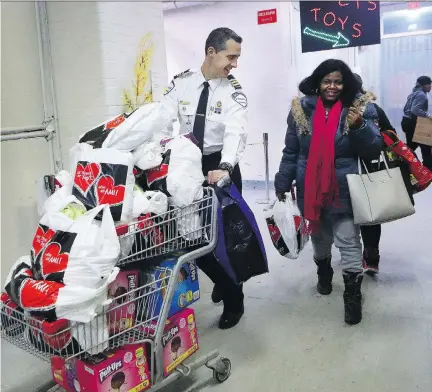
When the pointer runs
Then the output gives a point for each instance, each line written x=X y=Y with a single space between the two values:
x=49 y=97
x=173 y=5
x=25 y=135
x=15 y=130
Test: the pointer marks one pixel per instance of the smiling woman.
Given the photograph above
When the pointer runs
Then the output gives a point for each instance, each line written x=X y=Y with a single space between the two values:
x=328 y=130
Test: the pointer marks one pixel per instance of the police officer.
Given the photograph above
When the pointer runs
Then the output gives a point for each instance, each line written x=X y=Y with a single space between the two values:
x=212 y=105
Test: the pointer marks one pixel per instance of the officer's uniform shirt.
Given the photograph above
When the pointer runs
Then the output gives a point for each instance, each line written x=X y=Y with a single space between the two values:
x=226 y=116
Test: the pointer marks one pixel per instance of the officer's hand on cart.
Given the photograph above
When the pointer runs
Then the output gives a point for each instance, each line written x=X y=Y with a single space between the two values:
x=215 y=176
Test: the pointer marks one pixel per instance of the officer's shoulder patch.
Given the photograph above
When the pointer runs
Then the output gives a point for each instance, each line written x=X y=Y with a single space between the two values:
x=188 y=71
x=234 y=82
x=240 y=98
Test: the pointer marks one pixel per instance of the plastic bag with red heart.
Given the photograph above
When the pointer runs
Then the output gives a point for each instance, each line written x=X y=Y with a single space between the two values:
x=156 y=178
x=55 y=300
x=51 y=337
x=79 y=253
x=152 y=232
x=97 y=135
x=104 y=176
x=12 y=317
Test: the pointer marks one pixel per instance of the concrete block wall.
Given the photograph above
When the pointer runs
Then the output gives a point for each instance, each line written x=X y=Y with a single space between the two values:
x=94 y=47
x=22 y=161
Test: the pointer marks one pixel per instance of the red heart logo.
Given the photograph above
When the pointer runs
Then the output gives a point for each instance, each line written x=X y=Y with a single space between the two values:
x=52 y=260
x=107 y=193
x=297 y=222
x=275 y=233
x=115 y=122
x=39 y=295
x=42 y=237
x=86 y=175
x=145 y=224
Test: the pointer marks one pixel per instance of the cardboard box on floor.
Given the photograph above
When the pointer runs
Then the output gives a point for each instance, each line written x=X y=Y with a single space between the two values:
x=423 y=131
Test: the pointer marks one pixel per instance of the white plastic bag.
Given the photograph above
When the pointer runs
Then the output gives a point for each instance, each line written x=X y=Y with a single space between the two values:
x=185 y=177
x=48 y=299
x=80 y=252
x=140 y=126
x=287 y=227
x=47 y=188
x=149 y=202
x=148 y=155
x=189 y=224
x=103 y=176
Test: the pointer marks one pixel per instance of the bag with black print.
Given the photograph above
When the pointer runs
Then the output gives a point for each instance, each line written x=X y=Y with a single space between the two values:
x=54 y=300
x=81 y=252
x=103 y=176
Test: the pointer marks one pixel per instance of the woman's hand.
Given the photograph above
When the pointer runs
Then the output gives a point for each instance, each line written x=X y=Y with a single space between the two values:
x=355 y=118
x=281 y=196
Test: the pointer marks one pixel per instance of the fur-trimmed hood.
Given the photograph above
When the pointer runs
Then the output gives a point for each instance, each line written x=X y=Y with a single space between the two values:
x=308 y=102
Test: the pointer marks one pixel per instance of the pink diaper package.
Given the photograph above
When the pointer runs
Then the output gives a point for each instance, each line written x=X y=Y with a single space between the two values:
x=122 y=370
x=122 y=317
x=180 y=339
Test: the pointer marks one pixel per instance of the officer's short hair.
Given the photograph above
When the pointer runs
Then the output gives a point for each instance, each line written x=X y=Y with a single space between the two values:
x=218 y=38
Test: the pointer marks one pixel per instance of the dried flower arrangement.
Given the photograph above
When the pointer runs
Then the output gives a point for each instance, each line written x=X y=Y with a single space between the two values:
x=141 y=91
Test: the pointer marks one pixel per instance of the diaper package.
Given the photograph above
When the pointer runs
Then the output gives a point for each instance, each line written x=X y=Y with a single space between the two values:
x=122 y=310
x=119 y=370
x=180 y=339
x=187 y=290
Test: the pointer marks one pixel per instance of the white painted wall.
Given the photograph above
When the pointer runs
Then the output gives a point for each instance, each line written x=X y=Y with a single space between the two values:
x=21 y=105
x=94 y=48
x=270 y=68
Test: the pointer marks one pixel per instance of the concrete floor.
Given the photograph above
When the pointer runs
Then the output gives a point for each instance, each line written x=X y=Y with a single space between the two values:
x=293 y=339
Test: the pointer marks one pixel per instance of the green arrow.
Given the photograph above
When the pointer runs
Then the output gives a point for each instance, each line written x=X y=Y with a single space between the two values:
x=338 y=40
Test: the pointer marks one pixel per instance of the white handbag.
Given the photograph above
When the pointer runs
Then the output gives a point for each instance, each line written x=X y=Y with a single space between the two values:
x=378 y=197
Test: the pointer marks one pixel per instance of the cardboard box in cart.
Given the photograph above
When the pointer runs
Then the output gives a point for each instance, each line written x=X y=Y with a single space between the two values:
x=179 y=340
x=122 y=310
x=121 y=370
x=423 y=131
x=187 y=289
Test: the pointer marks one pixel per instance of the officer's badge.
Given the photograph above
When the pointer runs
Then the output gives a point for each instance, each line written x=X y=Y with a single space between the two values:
x=218 y=108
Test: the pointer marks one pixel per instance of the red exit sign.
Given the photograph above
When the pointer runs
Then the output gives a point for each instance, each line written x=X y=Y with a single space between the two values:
x=412 y=5
x=267 y=16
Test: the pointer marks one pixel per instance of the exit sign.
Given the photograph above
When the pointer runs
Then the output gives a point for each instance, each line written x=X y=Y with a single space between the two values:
x=267 y=16
x=412 y=5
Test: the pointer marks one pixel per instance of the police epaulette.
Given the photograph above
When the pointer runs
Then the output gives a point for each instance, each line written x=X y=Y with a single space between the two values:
x=181 y=74
x=234 y=82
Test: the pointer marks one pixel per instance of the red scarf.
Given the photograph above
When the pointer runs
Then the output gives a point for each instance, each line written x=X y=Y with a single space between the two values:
x=321 y=187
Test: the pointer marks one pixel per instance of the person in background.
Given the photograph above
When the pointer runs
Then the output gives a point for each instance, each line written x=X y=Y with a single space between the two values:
x=211 y=104
x=328 y=130
x=417 y=106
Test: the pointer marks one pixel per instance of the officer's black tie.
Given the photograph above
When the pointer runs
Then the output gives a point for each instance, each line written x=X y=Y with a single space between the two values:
x=199 y=125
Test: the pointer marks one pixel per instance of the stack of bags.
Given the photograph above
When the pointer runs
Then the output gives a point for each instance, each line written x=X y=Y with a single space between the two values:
x=121 y=172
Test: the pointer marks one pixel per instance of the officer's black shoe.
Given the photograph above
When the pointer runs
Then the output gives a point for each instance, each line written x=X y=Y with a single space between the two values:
x=216 y=294
x=230 y=319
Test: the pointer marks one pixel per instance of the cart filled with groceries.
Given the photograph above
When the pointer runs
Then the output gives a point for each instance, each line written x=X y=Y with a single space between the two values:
x=104 y=293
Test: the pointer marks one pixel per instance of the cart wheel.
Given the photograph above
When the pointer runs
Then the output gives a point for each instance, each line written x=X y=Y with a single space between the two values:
x=223 y=376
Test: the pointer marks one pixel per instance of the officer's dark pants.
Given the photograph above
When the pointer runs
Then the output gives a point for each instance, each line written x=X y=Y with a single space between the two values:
x=232 y=293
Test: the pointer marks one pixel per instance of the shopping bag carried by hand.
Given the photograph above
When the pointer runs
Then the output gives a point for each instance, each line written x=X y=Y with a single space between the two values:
x=240 y=248
x=287 y=227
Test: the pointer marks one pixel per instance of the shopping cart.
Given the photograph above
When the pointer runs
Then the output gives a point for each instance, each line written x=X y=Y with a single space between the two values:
x=192 y=230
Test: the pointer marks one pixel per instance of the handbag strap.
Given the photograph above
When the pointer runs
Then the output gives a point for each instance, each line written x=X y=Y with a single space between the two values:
x=361 y=161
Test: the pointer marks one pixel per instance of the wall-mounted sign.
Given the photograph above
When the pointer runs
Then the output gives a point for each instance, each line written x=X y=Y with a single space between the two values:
x=267 y=16
x=339 y=24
